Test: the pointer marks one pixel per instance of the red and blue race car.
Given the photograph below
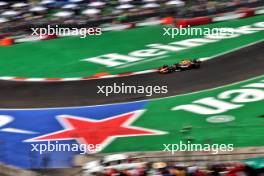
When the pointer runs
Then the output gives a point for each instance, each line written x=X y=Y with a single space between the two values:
x=181 y=66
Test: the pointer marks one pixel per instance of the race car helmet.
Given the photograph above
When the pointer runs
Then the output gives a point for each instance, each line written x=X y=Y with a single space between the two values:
x=185 y=62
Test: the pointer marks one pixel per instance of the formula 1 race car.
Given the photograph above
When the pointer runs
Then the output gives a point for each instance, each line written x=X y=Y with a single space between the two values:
x=166 y=69
x=181 y=66
x=188 y=64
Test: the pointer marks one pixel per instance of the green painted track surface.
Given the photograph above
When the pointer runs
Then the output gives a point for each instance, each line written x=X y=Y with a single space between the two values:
x=62 y=57
x=246 y=130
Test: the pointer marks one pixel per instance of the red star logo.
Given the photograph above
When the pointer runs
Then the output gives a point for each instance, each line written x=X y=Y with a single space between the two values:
x=97 y=132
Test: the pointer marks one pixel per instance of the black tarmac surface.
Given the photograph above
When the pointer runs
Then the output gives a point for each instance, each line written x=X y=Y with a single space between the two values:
x=233 y=67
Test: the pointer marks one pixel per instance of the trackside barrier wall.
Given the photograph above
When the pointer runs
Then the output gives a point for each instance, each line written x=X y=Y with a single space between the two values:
x=167 y=20
x=247 y=12
x=193 y=21
x=7 y=42
x=49 y=37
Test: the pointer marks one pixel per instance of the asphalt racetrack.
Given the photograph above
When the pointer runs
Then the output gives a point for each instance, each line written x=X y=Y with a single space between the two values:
x=233 y=67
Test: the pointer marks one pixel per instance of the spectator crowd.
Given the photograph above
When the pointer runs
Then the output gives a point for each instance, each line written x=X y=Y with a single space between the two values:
x=36 y=12
x=172 y=169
